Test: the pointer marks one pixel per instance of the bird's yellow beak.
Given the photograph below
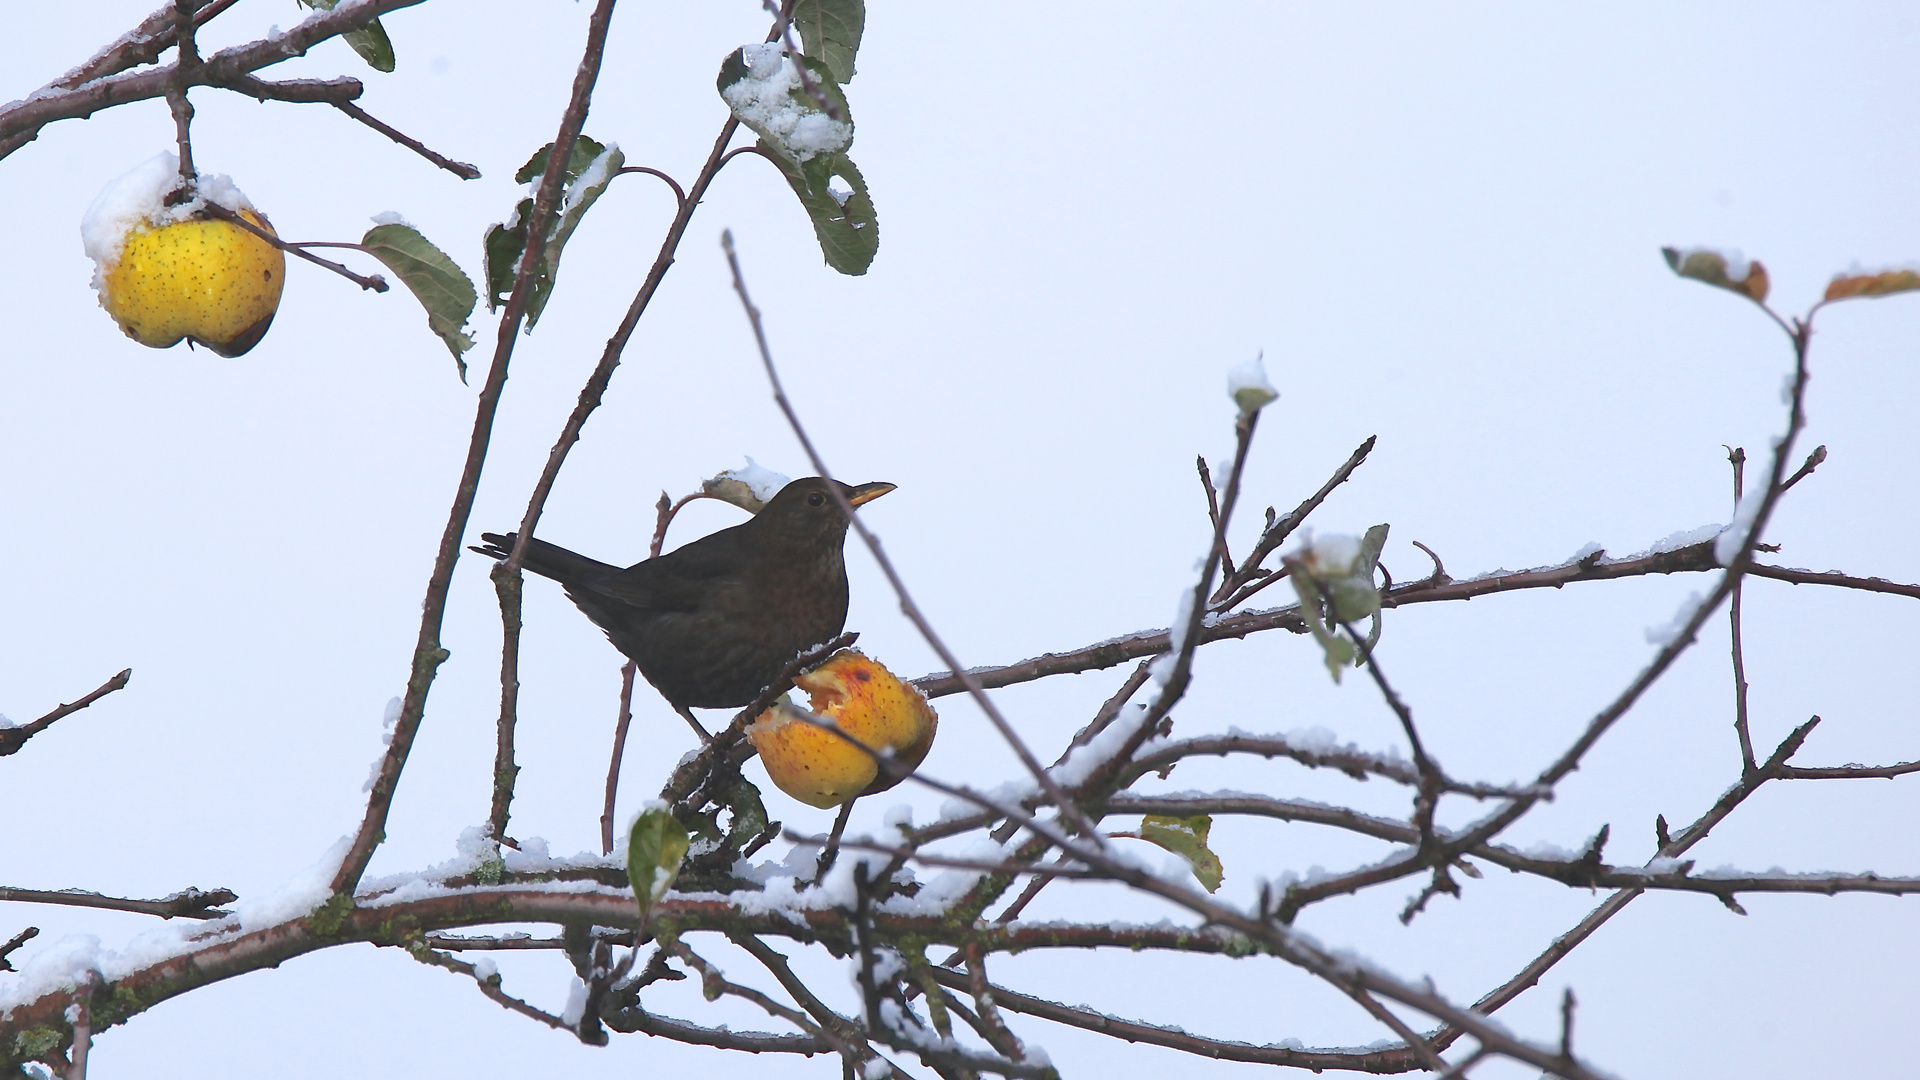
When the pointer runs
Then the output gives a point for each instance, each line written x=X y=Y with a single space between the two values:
x=866 y=493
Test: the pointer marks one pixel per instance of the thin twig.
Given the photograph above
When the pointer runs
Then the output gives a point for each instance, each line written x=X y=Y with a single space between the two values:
x=373 y=282
x=679 y=195
x=13 y=944
x=714 y=984
x=13 y=738
x=666 y=509
x=183 y=72
x=993 y=1028
x=1851 y=772
x=185 y=904
x=490 y=987
x=627 y=672
x=1298 y=897
x=776 y=963
x=507 y=589
x=1213 y=513
x=506 y=943
x=1399 y=1027
x=1110 y=708
x=1246 y=583
x=458 y=168
x=1806 y=468
x=1737 y=457
x=830 y=850
x=1432 y=780
x=907 y=606
x=1834 y=578
x=596 y=385
x=428 y=653
x=1174 y=1038
x=297 y=91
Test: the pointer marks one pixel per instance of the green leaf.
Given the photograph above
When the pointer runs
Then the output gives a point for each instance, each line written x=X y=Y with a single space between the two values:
x=1187 y=838
x=655 y=848
x=1705 y=264
x=584 y=151
x=589 y=169
x=435 y=280
x=370 y=41
x=505 y=243
x=830 y=31
x=849 y=232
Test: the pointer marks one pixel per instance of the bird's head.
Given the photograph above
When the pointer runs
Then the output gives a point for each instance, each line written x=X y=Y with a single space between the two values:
x=807 y=508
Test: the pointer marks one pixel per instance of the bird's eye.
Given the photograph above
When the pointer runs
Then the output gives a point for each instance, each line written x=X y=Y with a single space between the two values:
x=816 y=499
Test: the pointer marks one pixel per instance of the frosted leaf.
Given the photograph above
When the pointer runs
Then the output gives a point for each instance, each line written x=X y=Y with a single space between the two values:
x=1247 y=385
x=766 y=100
x=748 y=488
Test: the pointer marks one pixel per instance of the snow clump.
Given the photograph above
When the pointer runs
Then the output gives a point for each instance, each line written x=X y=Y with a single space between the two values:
x=137 y=201
x=765 y=101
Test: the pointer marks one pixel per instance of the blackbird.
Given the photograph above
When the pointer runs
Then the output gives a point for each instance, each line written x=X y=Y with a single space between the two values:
x=712 y=623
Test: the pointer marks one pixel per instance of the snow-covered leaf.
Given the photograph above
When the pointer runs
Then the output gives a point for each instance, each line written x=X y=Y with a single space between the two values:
x=1730 y=272
x=590 y=168
x=435 y=280
x=748 y=488
x=808 y=144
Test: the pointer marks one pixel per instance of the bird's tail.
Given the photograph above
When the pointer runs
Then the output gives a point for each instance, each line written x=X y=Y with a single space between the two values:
x=547 y=560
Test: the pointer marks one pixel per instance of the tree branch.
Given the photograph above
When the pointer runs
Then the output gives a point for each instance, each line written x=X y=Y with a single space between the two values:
x=1694 y=558
x=21 y=121
x=13 y=738
x=188 y=903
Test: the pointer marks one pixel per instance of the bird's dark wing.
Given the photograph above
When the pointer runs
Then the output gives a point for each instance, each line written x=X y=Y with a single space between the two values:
x=683 y=579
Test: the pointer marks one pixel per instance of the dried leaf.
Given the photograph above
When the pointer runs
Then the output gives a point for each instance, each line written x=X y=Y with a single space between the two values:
x=1885 y=283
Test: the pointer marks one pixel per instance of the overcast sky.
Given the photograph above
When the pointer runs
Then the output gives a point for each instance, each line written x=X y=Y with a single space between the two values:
x=1442 y=225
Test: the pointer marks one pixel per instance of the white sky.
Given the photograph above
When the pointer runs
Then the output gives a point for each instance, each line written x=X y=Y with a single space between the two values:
x=1440 y=223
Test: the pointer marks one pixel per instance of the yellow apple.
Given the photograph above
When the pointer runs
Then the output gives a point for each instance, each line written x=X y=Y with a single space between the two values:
x=870 y=704
x=209 y=281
